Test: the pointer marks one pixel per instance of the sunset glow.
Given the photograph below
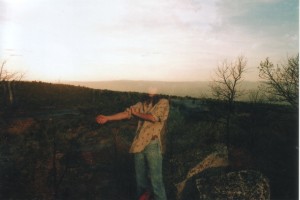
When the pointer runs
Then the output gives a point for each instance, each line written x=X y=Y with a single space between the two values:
x=178 y=40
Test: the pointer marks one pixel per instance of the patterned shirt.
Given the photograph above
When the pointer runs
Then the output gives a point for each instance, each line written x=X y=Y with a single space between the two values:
x=146 y=129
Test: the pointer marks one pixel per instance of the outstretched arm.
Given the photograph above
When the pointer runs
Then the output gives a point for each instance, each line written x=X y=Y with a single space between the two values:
x=102 y=119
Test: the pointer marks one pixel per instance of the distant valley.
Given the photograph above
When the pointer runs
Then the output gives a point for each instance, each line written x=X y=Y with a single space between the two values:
x=193 y=89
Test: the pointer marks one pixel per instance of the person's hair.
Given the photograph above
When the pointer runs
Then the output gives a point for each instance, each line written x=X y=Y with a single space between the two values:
x=147 y=99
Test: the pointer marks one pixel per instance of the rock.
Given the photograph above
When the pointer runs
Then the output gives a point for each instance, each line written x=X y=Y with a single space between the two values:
x=214 y=160
x=247 y=184
x=211 y=180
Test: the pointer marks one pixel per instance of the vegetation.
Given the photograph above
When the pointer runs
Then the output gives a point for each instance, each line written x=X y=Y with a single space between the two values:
x=282 y=81
x=51 y=147
x=226 y=86
x=7 y=81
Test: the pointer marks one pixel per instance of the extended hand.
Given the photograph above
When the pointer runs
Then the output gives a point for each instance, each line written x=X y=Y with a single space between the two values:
x=101 y=119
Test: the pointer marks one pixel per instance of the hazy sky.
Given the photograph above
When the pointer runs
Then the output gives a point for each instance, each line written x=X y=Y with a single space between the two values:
x=171 y=40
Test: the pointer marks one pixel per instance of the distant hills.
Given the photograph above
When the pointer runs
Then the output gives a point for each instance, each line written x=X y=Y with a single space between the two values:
x=193 y=89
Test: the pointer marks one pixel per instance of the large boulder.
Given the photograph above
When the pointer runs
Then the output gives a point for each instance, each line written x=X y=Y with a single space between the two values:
x=247 y=184
x=217 y=159
x=214 y=178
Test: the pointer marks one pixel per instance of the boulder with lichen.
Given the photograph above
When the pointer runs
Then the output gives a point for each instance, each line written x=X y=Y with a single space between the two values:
x=213 y=178
x=246 y=184
x=219 y=158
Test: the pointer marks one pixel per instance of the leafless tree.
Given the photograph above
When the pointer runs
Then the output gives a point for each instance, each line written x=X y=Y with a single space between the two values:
x=282 y=81
x=7 y=80
x=226 y=85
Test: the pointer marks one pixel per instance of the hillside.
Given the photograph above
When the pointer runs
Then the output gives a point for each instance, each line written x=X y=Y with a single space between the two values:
x=51 y=147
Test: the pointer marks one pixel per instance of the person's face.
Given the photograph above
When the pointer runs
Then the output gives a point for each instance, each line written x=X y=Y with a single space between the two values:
x=152 y=91
x=151 y=95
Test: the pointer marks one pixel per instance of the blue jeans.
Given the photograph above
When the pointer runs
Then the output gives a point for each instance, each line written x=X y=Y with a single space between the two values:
x=148 y=165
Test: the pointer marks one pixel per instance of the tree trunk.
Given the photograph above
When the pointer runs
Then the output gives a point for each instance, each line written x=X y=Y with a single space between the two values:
x=10 y=93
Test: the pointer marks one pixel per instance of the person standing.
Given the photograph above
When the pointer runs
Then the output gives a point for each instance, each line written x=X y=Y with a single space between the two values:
x=152 y=113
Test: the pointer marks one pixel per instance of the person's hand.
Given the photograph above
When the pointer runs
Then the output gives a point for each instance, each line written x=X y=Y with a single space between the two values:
x=101 y=119
x=134 y=111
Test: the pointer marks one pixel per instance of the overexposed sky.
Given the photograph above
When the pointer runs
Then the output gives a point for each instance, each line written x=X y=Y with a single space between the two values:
x=167 y=40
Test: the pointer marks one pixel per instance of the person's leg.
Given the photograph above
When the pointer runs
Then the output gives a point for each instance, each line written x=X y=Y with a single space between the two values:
x=154 y=160
x=141 y=173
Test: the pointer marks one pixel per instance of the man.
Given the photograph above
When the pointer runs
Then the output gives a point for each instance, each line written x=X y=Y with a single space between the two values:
x=147 y=146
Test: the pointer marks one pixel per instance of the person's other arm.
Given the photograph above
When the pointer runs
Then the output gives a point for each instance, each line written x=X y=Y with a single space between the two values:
x=102 y=119
x=144 y=116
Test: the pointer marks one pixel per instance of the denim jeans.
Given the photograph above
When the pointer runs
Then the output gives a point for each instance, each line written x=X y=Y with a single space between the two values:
x=148 y=165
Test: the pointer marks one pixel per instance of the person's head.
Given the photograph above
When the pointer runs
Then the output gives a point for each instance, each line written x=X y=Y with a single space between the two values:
x=152 y=91
x=152 y=96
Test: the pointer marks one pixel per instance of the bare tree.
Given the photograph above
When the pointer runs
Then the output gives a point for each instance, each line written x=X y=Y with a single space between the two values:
x=282 y=81
x=7 y=80
x=226 y=85
x=6 y=75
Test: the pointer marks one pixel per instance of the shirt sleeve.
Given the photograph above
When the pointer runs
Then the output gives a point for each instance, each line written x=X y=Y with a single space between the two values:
x=161 y=110
x=128 y=110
